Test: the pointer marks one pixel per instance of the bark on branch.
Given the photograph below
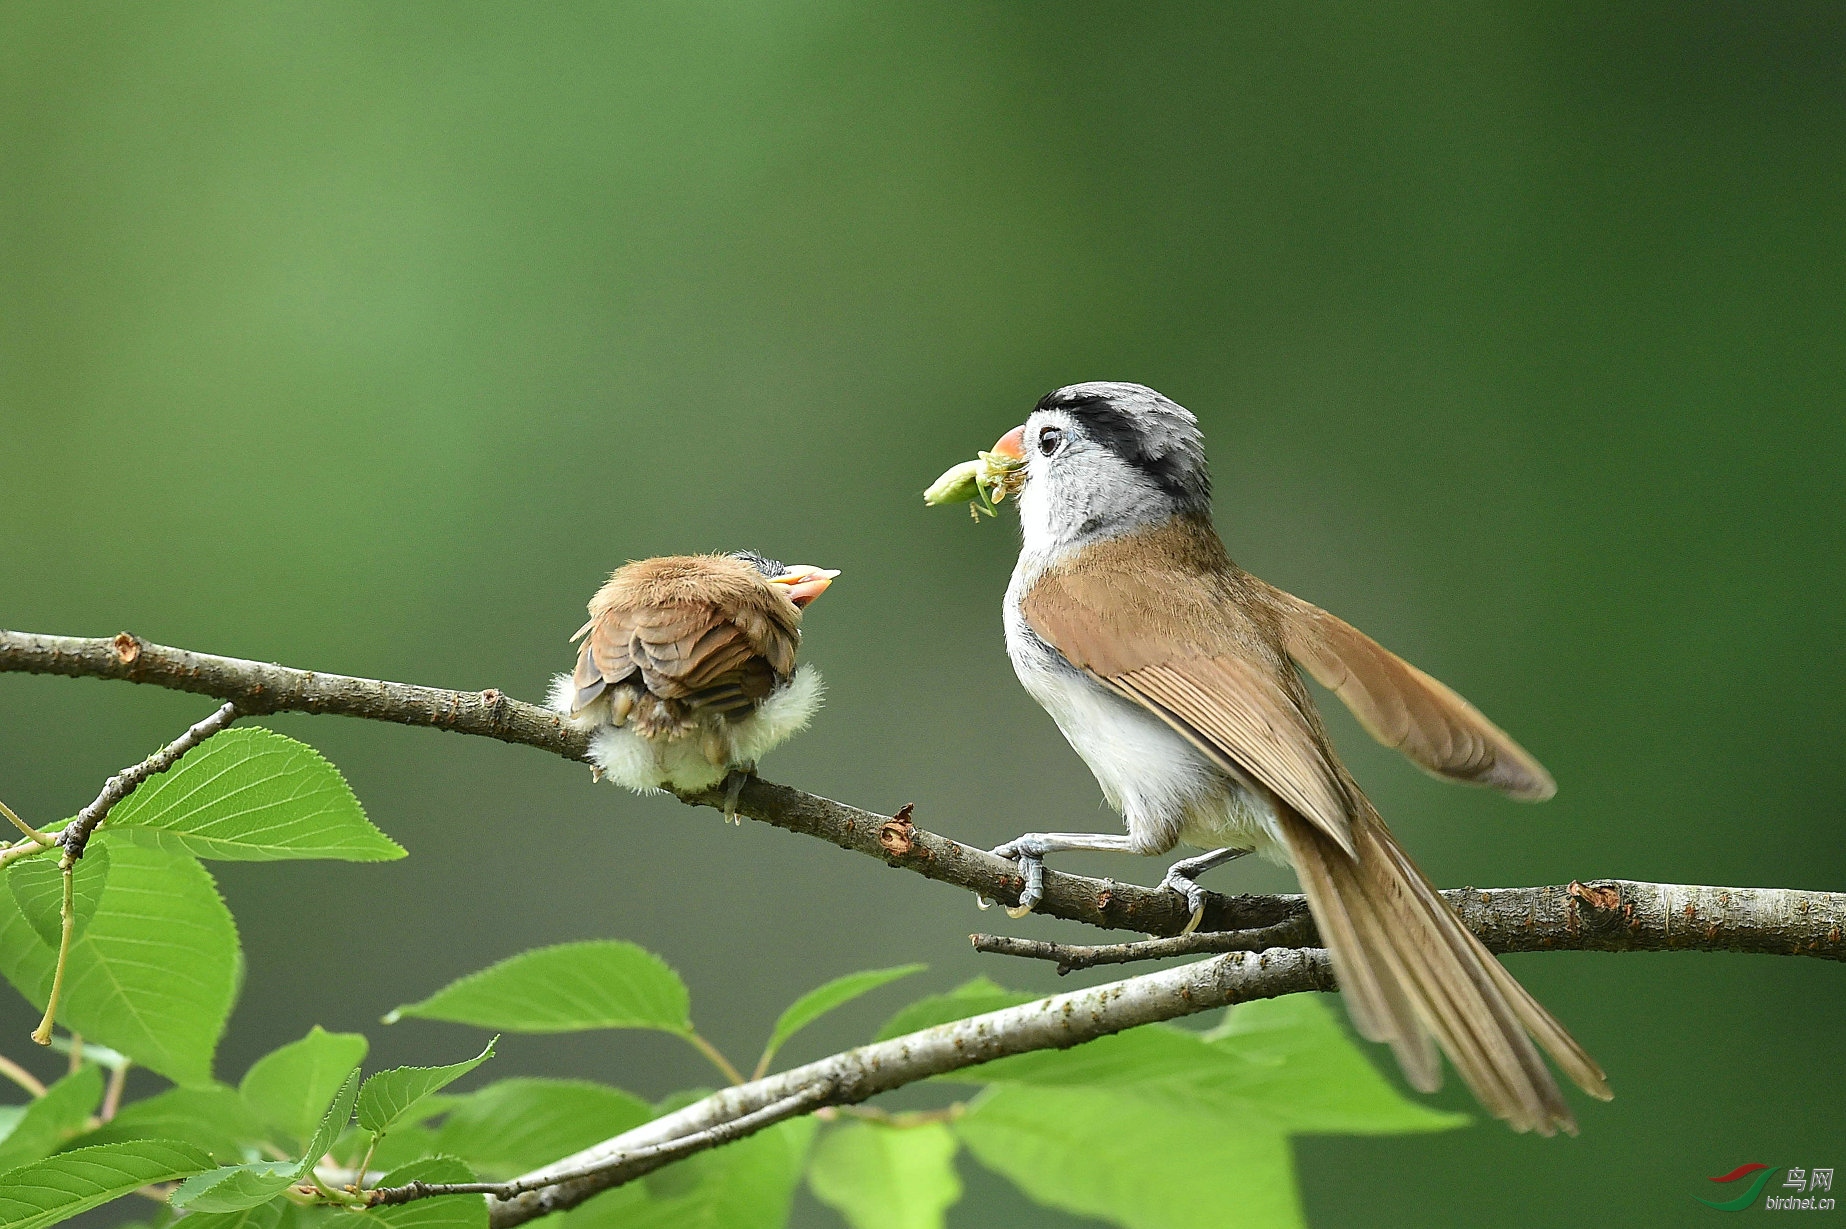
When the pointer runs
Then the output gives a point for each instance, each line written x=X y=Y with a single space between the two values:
x=1603 y=915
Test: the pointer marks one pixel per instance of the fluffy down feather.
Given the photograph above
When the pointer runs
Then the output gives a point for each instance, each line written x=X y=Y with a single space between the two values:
x=650 y=765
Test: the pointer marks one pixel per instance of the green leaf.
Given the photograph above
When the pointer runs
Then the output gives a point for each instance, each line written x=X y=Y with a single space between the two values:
x=744 y=1185
x=971 y=998
x=252 y=795
x=508 y=1128
x=1153 y=1160
x=823 y=999
x=58 y=1188
x=1299 y=1058
x=289 y=1088
x=215 y=1119
x=1188 y=1120
x=882 y=1177
x=602 y=983
x=55 y=1117
x=233 y=1188
x=38 y=888
x=153 y=976
x=262 y=1216
x=389 y=1095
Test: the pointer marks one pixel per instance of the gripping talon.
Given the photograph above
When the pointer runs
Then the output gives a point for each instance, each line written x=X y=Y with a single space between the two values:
x=1195 y=896
x=734 y=783
x=1032 y=867
x=1181 y=877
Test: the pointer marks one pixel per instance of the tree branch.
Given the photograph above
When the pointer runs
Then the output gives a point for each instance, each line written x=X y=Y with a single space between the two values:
x=1058 y=1022
x=1604 y=915
x=257 y=688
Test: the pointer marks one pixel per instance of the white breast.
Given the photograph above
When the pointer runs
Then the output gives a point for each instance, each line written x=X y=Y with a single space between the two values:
x=1163 y=786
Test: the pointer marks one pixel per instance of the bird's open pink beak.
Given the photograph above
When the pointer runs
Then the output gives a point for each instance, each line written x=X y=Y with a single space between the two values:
x=805 y=581
x=1012 y=444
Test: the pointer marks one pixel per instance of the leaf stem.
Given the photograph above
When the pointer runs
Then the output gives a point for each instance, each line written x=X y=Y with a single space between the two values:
x=365 y=1162
x=112 y=1100
x=42 y=1034
x=43 y=841
x=711 y=1051
x=20 y=1076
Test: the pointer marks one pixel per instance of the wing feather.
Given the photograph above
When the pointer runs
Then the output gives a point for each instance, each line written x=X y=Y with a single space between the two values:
x=1404 y=708
x=724 y=653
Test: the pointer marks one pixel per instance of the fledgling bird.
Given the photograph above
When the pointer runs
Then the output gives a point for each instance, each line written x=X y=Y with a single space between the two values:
x=687 y=672
x=1171 y=672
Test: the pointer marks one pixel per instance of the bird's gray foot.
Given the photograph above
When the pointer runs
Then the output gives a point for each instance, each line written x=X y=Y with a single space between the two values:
x=1182 y=877
x=1028 y=853
x=734 y=782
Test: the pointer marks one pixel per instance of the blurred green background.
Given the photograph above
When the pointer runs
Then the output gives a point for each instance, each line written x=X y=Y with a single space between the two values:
x=369 y=337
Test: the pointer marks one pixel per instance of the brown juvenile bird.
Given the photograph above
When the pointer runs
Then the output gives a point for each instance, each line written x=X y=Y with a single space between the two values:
x=1171 y=671
x=687 y=672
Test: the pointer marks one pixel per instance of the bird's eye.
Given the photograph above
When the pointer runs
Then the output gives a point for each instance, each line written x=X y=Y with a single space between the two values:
x=1048 y=440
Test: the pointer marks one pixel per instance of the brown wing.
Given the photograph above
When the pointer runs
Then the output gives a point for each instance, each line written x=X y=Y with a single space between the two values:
x=1403 y=707
x=1138 y=615
x=707 y=631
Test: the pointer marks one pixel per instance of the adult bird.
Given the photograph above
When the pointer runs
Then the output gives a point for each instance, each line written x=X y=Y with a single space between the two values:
x=687 y=672
x=1171 y=671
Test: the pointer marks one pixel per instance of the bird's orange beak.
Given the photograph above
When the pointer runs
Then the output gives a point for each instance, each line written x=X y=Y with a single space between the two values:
x=805 y=581
x=1012 y=444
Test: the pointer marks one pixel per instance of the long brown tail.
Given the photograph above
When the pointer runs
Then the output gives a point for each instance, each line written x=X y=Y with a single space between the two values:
x=1412 y=974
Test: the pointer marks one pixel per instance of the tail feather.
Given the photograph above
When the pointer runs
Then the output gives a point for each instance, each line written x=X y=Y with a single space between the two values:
x=1413 y=975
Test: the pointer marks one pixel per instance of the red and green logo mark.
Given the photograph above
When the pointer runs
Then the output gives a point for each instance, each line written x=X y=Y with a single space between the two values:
x=1798 y=1186
x=1763 y=1174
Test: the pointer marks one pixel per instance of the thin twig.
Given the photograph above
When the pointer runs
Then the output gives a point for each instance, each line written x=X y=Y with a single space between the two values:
x=20 y=1076
x=1071 y=956
x=76 y=834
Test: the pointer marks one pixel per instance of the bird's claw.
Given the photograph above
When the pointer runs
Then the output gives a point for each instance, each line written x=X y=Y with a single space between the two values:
x=734 y=782
x=1194 y=894
x=1179 y=878
x=1030 y=860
